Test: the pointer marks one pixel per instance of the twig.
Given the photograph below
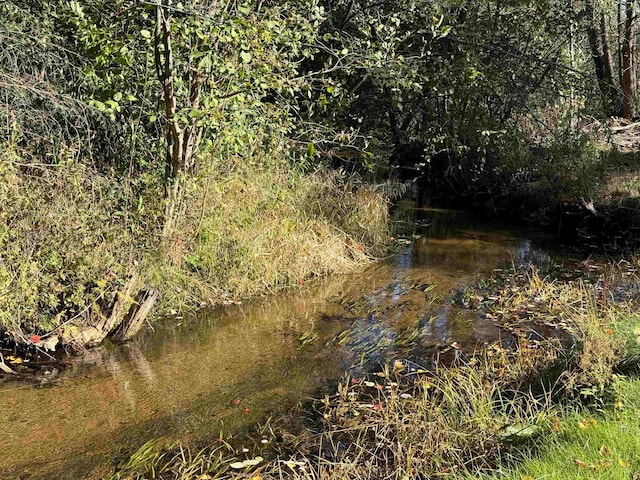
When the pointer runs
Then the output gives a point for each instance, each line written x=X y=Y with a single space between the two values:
x=625 y=127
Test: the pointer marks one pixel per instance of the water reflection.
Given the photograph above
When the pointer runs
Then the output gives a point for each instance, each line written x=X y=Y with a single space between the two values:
x=226 y=368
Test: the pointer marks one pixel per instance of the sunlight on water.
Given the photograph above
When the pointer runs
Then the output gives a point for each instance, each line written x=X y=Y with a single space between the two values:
x=227 y=368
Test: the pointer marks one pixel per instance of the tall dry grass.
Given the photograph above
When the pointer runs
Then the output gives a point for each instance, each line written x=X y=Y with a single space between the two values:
x=247 y=229
x=71 y=237
x=459 y=421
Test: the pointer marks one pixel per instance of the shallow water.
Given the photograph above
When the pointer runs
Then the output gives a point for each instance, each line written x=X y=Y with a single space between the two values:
x=225 y=369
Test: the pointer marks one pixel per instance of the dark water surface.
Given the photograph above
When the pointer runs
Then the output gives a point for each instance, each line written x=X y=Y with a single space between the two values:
x=227 y=368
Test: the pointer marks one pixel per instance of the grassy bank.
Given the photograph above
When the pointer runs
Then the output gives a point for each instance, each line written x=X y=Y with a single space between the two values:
x=516 y=410
x=72 y=238
x=600 y=444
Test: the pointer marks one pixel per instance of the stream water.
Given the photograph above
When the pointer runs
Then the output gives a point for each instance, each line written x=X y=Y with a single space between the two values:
x=227 y=368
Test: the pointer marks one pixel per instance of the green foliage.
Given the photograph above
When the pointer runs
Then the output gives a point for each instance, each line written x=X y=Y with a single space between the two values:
x=441 y=74
x=68 y=239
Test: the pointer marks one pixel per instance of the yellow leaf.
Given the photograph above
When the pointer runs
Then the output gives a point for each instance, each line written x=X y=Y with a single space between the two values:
x=580 y=463
x=605 y=451
x=586 y=423
x=623 y=463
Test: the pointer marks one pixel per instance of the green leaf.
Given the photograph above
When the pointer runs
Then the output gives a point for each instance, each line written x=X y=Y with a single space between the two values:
x=145 y=33
x=311 y=149
x=519 y=433
x=98 y=104
x=245 y=56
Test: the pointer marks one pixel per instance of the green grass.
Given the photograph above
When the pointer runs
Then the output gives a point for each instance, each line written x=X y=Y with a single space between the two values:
x=587 y=444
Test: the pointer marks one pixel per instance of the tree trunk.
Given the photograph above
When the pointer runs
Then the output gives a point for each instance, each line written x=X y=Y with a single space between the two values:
x=629 y=67
x=606 y=50
x=137 y=315
x=602 y=60
x=182 y=141
x=620 y=28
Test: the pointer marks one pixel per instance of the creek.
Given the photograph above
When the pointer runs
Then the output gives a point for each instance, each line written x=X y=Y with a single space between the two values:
x=226 y=369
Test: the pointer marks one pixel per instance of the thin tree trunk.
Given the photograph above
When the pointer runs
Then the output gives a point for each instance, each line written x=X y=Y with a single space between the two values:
x=165 y=70
x=629 y=68
x=182 y=141
x=602 y=60
x=620 y=27
x=606 y=50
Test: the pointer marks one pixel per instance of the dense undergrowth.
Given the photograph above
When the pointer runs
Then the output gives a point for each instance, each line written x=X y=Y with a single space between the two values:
x=71 y=237
x=487 y=413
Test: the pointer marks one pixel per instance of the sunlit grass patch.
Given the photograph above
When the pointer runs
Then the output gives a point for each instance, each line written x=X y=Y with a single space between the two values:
x=247 y=230
x=587 y=444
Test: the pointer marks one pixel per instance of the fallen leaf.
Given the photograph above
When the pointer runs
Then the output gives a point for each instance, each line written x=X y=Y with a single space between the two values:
x=580 y=463
x=556 y=425
x=605 y=451
x=586 y=423
x=253 y=462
